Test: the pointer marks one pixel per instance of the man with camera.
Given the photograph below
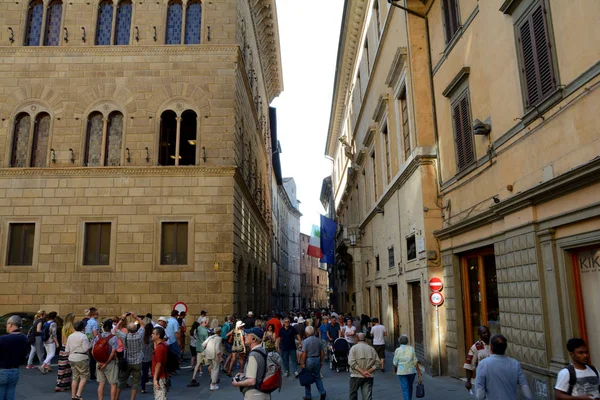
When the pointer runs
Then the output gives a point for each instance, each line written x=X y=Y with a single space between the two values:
x=131 y=363
x=253 y=373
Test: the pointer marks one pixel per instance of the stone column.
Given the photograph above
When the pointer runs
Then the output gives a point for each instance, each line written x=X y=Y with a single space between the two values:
x=556 y=338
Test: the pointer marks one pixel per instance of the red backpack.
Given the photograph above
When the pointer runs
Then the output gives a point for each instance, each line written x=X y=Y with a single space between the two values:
x=101 y=350
x=271 y=380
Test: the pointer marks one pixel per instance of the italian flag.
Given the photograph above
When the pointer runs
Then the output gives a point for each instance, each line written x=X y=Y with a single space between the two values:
x=314 y=245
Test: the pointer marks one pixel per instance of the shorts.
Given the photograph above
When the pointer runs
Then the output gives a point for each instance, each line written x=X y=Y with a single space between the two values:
x=380 y=349
x=80 y=369
x=109 y=374
x=193 y=351
x=135 y=370
x=227 y=347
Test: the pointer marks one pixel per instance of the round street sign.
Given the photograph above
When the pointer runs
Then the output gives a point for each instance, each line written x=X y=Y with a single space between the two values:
x=436 y=285
x=436 y=298
x=180 y=306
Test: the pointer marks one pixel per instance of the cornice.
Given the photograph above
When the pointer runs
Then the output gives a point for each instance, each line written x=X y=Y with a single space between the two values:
x=266 y=28
x=118 y=50
x=380 y=107
x=573 y=180
x=353 y=22
x=118 y=171
x=396 y=67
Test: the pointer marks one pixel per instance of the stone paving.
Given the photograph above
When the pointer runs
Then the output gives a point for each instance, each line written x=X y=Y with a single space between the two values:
x=33 y=385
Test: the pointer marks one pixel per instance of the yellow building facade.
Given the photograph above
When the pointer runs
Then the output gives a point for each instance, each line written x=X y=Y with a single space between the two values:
x=135 y=161
x=515 y=85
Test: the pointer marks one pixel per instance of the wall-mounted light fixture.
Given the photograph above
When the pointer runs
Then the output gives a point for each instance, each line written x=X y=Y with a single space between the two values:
x=155 y=34
x=53 y=156
x=83 y=35
x=216 y=266
x=66 y=38
x=137 y=34
x=204 y=154
x=11 y=38
x=147 y=155
x=128 y=155
x=481 y=128
x=208 y=34
x=72 y=159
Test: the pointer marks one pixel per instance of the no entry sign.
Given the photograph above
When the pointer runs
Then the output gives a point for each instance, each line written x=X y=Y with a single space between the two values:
x=436 y=299
x=181 y=307
x=436 y=285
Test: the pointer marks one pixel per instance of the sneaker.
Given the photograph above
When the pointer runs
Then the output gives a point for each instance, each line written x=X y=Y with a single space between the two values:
x=287 y=374
x=43 y=370
x=31 y=367
x=323 y=396
x=193 y=383
x=214 y=387
x=296 y=374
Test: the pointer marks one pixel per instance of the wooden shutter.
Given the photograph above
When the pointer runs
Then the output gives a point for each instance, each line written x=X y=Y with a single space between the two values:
x=465 y=154
x=537 y=70
x=451 y=18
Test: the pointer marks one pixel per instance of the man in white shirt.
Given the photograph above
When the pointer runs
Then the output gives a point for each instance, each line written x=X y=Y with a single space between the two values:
x=77 y=347
x=379 y=333
x=579 y=380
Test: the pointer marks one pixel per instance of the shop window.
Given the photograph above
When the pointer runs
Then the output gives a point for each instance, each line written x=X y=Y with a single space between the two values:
x=97 y=243
x=480 y=294
x=20 y=243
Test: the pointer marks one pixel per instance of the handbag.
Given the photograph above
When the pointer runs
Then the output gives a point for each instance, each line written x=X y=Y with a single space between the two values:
x=306 y=378
x=420 y=390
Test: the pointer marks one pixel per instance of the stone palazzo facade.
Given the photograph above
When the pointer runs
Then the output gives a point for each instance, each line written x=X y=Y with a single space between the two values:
x=135 y=155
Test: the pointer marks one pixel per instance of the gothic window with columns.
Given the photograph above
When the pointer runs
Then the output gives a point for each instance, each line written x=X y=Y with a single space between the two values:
x=53 y=20
x=177 y=141
x=193 y=21
x=30 y=140
x=104 y=23
x=174 y=22
x=35 y=14
x=104 y=139
x=123 y=24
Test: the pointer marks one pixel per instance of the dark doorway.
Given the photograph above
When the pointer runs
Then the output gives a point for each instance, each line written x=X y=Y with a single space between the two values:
x=417 y=320
x=395 y=316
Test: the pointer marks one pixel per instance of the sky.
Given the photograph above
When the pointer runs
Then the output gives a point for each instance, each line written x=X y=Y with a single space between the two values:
x=309 y=43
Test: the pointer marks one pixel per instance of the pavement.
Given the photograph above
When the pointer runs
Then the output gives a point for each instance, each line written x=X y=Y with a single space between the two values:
x=34 y=385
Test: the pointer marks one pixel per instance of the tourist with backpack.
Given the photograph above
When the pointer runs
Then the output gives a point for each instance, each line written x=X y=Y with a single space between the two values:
x=104 y=351
x=159 y=363
x=580 y=379
x=50 y=341
x=262 y=374
x=34 y=337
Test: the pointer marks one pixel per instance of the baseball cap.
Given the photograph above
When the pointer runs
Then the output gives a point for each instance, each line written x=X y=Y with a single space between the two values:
x=164 y=319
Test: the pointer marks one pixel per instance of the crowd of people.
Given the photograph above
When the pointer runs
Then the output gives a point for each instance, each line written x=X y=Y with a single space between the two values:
x=130 y=351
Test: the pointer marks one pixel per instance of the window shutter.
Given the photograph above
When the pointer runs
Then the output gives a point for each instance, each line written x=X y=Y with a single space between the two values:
x=451 y=18
x=447 y=24
x=463 y=134
x=536 y=66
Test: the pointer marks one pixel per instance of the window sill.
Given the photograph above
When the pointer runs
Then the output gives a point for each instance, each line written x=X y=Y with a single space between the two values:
x=538 y=110
x=96 y=268
x=174 y=268
x=20 y=268
x=466 y=171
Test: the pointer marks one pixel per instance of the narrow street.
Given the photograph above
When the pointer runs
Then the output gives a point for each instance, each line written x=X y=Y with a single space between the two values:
x=33 y=385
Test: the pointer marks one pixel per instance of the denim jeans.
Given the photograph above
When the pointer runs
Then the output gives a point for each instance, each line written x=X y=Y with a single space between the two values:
x=286 y=355
x=8 y=383
x=365 y=385
x=406 y=381
x=145 y=373
x=313 y=364
x=175 y=347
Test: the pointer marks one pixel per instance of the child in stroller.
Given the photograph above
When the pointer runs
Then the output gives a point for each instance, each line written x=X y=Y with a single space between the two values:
x=339 y=351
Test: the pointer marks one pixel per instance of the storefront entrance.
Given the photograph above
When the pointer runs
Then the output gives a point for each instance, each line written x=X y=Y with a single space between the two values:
x=587 y=282
x=480 y=293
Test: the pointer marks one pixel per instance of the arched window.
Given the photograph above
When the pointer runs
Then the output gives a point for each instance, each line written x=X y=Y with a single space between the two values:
x=174 y=21
x=41 y=136
x=123 y=28
x=20 y=145
x=193 y=20
x=187 y=144
x=104 y=24
x=168 y=138
x=93 y=141
x=114 y=139
x=35 y=13
x=53 y=19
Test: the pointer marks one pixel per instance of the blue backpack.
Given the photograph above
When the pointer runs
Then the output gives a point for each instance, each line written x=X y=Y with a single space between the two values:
x=46 y=331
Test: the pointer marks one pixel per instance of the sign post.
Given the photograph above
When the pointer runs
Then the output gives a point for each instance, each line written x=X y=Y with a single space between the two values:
x=437 y=299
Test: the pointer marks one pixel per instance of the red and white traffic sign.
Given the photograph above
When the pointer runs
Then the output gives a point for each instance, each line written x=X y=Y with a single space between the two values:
x=435 y=284
x=436 y=299
x=181 y=307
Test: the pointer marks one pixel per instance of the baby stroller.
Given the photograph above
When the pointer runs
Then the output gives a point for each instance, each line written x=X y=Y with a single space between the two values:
x=339 y=357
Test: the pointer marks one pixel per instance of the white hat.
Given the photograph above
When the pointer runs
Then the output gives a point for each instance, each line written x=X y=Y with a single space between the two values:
x=296 y=319
x=250 y=313
x=164 y=319
x=301 y=320
x=239 y=324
